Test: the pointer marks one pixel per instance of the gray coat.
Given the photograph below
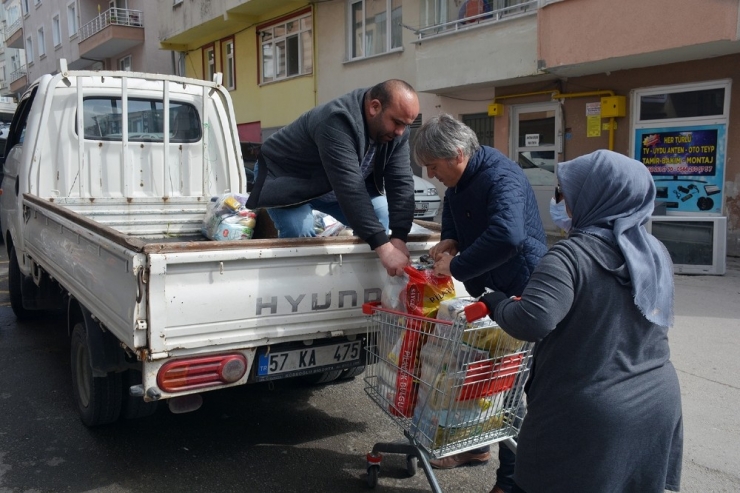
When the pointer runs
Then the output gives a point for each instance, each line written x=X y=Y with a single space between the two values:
x=603 y=399
x=321 y=151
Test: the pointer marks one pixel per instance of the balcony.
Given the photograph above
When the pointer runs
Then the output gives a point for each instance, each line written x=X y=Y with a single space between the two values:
x=110 y=33
x=657 y=35
x=446 y=17
x=14 y=35
x=18 y=79
x=476 y=45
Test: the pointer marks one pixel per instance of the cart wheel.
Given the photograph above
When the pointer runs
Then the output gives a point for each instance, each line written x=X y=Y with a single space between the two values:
x=412 y=465
x=372 y=476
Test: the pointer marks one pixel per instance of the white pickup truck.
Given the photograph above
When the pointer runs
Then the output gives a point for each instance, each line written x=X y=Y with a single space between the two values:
x=107 y=180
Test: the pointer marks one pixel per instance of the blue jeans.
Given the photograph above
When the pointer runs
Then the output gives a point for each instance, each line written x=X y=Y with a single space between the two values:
x=295 y=222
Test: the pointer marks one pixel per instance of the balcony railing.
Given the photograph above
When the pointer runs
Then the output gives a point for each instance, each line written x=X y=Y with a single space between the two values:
x=437 y=17
x=13 y=28
x=3 y=85
x=17 y=74
x=112 y=17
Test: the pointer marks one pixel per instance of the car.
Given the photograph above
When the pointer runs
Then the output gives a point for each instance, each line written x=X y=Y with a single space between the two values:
x=426 y=199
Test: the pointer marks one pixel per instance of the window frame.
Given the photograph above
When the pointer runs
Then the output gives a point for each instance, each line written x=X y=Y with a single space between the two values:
x=72 y=27
x=56 y=30
x=29 y=50
x=351 y=33
x=130 y=63
x=211 y=48
x=25 y=8
x=41 y=39
x=266 y=35
x=228 y=63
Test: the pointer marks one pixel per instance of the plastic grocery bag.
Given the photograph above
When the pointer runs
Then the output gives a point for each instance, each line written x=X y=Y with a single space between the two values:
x=419 y=291
x=228 y=219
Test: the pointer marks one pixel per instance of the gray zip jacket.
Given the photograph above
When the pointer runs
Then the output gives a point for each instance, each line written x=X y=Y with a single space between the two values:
x=322 y=151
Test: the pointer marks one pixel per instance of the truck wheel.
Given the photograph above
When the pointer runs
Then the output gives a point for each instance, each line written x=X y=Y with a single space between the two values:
x=98 y=398
x=352 y=372
x=15 y=280
x=324 y=377
x=135 y=407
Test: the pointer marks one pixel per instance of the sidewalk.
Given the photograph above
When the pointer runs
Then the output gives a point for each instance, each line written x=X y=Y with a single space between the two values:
x=705 y=349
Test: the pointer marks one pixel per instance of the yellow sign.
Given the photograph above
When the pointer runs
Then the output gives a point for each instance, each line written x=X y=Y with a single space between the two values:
x=593 y=126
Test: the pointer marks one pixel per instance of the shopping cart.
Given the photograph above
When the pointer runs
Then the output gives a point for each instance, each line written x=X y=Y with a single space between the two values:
x=450 y=385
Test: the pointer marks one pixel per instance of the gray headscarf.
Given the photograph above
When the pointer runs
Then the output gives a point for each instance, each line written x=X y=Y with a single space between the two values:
x=612 y=196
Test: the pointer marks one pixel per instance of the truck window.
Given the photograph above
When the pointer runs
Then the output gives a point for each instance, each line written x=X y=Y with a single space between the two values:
x=103 y=120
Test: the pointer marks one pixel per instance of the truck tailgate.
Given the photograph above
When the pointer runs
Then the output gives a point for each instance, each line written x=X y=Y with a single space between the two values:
x=259 y=296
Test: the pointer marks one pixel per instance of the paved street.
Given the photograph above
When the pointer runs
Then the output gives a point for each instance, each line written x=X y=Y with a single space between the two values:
x=289 y=437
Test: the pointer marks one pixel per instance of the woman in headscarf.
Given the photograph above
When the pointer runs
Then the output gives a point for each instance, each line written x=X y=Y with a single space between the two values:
x=603 y=399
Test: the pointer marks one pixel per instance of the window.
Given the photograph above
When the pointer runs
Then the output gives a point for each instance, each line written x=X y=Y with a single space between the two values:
x=42 y=42
x=227 y=58
x=29 y=50
x=56 y=30
x=370 y=32
x=287 y=48
x=72 y=19
x=103 y=118
x=125 y=63
x=209 y=62
x=176 y=2
x=37 y=2
x=24 y=6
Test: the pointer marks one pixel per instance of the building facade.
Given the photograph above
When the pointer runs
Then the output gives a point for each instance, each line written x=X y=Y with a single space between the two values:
x=541 y=80
x=89 y=34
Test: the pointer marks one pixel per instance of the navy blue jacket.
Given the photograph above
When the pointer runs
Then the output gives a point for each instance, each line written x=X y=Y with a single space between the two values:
x=493 y=215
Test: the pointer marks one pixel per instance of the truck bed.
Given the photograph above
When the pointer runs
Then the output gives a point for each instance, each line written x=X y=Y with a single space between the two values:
x=172 y=295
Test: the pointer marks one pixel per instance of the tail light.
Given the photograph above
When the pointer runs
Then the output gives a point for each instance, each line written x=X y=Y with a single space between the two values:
x=198 y=373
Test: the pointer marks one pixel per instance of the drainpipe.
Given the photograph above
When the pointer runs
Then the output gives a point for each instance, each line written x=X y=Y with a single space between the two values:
x=593 y=93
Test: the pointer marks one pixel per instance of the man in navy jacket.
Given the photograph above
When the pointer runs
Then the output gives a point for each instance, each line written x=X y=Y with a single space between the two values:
x=492 y=234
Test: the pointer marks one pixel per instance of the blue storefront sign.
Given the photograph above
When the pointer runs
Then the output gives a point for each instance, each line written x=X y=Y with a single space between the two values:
x=687 y=164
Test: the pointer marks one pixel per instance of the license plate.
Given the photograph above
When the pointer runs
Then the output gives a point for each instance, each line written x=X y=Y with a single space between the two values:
x=421 y=206
x=309 y=360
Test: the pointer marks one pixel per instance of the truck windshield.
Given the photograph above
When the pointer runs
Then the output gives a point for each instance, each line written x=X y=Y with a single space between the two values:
x=103 y=120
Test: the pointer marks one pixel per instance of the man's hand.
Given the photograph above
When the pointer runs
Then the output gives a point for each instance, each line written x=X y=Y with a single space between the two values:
x=444 y=246
x=393 y=258
x=401 y=245
x=442 y=264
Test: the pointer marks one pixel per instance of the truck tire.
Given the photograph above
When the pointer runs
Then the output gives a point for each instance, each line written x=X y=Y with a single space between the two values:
x=352 y=372
x=98 y=398
x=15 y=280
x=135 y=407
x=323 y=377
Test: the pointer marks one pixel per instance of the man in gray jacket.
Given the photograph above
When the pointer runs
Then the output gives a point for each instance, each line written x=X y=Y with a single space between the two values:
x=348 y=158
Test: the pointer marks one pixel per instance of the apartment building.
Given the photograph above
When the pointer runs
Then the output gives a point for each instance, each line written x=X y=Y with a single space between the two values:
x=541 y=80
x=90 y=34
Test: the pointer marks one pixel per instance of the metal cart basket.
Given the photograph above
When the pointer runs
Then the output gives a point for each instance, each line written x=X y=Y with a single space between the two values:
x=450 y=385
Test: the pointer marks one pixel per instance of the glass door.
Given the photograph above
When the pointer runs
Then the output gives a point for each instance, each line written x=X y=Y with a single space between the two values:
x=536 y=142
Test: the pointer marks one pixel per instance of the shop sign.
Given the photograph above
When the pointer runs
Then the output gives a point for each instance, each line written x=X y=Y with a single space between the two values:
x=687 y=164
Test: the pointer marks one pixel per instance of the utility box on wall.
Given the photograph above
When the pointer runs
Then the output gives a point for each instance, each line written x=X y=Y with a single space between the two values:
x=495 y=109
x=613 y=106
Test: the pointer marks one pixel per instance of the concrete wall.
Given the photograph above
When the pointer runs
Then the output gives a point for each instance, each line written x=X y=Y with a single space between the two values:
x=579 y=31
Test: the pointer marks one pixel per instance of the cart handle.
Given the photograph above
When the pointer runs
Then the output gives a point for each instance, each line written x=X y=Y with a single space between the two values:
x=475 y=311
x=369 y=308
